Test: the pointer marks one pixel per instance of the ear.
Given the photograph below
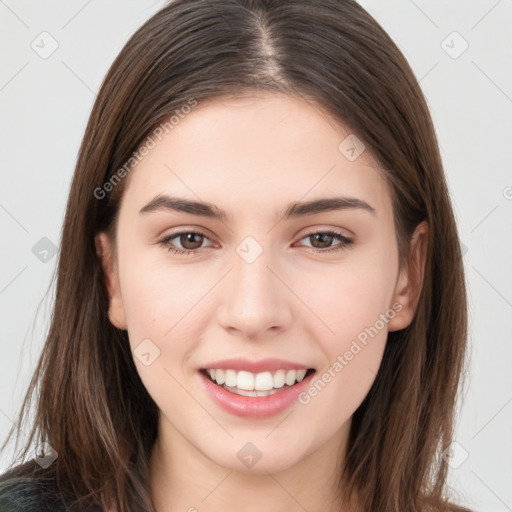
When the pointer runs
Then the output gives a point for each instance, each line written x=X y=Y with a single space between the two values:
x=104 y=251
x=410 y=279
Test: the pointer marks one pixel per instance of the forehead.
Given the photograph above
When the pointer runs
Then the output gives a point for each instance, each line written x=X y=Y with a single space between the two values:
x=263 y=149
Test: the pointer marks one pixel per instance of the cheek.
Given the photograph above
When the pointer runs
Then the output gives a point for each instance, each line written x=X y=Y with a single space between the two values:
x=349 y=297
x=354 y=307
x=163 y=304
x=354 y=325
x=352 y=302
x=159 y=299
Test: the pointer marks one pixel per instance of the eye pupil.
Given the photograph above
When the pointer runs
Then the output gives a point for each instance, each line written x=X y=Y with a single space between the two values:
x=188 y=238
x=323 y=242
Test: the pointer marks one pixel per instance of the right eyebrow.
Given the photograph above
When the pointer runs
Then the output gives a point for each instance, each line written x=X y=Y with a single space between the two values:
x=293 y=210
x=179 y=204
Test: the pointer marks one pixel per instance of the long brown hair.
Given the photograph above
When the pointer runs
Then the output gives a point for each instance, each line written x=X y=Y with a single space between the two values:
x=91 y=406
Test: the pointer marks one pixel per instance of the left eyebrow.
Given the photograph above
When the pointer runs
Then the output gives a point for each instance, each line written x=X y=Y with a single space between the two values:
x=297 y=209
x=328 y=204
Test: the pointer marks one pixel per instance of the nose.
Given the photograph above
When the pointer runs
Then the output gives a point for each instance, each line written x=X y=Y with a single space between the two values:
x=256 y=302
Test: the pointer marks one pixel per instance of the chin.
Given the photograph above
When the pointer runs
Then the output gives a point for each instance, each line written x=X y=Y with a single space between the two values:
x=256 y=457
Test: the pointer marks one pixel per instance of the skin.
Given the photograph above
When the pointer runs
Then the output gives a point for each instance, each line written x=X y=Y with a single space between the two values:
x=252 y=156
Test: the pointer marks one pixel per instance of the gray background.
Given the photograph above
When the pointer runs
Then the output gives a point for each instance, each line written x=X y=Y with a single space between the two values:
x=44 y=106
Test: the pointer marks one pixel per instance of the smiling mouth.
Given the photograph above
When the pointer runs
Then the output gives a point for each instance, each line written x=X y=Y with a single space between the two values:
x=256 y=384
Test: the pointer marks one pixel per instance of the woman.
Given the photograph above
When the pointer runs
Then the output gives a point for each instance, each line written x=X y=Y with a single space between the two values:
x=260 y=293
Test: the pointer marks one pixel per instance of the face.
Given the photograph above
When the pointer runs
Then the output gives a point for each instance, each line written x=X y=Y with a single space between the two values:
x=267 y=289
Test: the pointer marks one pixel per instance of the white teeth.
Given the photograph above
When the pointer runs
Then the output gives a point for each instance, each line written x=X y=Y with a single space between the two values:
x=245 y=393
x=245 y=380
x=250 y=393
x=290 y=377
x=230 y=378
x=263 y=381
x=300 y=375
x=279 y=379
x=260 y=382
x=220 y=376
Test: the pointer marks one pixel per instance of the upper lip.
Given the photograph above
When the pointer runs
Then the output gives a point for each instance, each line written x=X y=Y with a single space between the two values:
x=262 y=365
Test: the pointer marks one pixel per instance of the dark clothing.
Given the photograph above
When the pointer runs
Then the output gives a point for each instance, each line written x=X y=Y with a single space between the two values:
x=28 y=495
x=23 y=491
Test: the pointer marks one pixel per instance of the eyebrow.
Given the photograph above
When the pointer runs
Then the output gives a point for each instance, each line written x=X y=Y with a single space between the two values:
x=293 y=210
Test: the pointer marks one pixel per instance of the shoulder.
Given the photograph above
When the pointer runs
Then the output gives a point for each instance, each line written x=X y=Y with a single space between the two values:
x=21 y=491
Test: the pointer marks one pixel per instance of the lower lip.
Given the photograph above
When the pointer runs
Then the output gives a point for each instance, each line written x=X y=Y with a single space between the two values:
x=258 y=406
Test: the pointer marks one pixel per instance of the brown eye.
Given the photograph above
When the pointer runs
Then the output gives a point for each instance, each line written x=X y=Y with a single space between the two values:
x=185 y=242
x=321 y=240
x=191 y=241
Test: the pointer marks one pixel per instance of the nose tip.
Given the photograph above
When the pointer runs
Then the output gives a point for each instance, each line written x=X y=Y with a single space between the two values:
x=253 y=299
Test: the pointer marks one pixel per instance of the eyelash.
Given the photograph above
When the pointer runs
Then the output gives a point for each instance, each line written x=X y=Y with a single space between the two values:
x=166 y=242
